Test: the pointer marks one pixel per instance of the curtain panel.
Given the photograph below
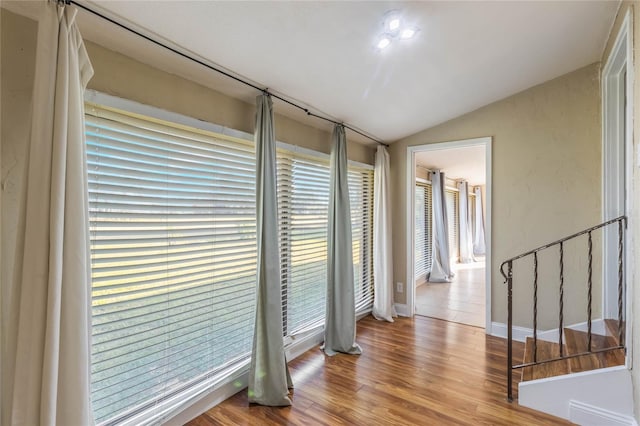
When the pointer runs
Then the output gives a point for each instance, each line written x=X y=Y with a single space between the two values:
x=269 y=379
x=49 y=343
x=441 y=262
x=340 y=323
x=464 y=217
x=479 y=247
x=383 y=308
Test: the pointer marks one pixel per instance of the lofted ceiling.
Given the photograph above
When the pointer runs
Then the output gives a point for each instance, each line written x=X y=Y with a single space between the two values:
x=320 y=53
x=465 y=163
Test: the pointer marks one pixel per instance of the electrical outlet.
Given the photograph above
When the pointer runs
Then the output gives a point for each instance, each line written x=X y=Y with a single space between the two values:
x=399 y=287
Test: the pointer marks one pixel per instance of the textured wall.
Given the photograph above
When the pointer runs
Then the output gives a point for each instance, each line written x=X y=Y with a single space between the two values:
x=119 y=75
x=546 y=176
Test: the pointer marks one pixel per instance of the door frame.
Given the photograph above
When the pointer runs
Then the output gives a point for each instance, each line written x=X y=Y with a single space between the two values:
x=617 y=167
x=410 y=218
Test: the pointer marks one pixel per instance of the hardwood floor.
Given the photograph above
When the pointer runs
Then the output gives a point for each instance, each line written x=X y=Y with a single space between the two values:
x=420 y=371
x=462 y=300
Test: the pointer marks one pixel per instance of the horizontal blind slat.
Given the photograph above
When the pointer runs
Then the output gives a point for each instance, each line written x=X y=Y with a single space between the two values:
x=173 y=242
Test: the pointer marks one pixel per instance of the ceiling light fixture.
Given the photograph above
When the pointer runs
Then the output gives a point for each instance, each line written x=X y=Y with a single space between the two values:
x=394 y=28
x=392 y=21
x=394 y=24
x=408 y=33
x=383 y=42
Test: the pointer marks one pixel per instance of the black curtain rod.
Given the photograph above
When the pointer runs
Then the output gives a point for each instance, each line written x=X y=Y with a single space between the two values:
x=218 y=70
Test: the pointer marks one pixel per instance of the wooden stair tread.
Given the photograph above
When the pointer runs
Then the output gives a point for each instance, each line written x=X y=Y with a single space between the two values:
x=612 y=328
x=546 y=350
x=577 y=341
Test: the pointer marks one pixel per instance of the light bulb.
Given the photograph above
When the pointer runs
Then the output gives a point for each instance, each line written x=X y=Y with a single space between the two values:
x=392 y=22
x=383 y=42
x=408 y=33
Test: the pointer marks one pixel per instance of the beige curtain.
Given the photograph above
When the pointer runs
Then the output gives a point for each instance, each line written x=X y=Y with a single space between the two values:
x=383 y=308
x=441 y=262
x=340 y=325
x=479 y=247
x=269 y=378
x=464 y=224
x=49 y=342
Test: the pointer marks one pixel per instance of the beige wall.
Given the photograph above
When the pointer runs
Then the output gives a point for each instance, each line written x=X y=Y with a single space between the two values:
x=121 y=76
x=546 y=171
x=633 y=281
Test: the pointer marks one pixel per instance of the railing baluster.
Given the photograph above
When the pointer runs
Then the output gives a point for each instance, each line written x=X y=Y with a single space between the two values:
x=561 y=322
x=620 y=285
x=509 y=331
x=508 y=276
x=589 y=291
x=535 y=307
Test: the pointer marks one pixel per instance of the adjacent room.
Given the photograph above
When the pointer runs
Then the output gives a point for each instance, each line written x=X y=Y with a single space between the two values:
x=316 y=212
x=459 y=293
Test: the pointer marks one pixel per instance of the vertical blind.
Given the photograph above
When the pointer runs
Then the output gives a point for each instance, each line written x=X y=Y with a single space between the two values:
x=173 y=247
x=423 y=233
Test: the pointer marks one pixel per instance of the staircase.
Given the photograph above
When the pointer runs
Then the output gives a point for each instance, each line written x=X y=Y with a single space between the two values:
x=578 y=371
x=575 y=355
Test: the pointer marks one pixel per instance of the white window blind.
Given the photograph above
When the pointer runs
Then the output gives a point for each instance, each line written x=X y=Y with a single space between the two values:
x=303 y=201
x=451 y=199
x=361 y=200
x=423 y=233
x=173 y=246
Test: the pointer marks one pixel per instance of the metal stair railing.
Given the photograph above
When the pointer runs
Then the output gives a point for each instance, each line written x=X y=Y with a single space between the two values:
x=508 y=276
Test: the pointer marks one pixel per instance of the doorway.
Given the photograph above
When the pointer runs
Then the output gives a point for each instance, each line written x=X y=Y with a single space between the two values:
x=617 y=199
x=466 y=297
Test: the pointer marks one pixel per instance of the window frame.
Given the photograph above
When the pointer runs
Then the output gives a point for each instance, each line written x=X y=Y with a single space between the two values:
x=293 y=347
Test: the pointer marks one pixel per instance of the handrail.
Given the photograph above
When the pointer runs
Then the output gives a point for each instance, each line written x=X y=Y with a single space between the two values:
x=508 y=276
x=562 y=240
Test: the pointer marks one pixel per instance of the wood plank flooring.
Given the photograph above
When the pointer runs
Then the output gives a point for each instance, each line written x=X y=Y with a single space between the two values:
x=462 y=300
x=546 y=350
x=419 y=371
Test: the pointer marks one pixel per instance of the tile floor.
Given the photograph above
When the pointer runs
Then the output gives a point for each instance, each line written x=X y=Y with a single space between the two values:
x=461 y=301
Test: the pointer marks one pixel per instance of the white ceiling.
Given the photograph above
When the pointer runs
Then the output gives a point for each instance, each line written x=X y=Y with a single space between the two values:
x=468 y=163
x=467 y=54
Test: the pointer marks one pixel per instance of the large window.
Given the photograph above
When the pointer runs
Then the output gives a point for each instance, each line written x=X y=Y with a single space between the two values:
x=361 y=200
x=173 y=245
x=303 y=202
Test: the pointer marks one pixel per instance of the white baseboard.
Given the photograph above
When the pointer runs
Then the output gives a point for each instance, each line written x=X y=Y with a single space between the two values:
x=520 y=334
x=590 y=415
x=240 y=382
x=304 y=344
x=604 y=392
x=402 y=310
x=210 y=400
